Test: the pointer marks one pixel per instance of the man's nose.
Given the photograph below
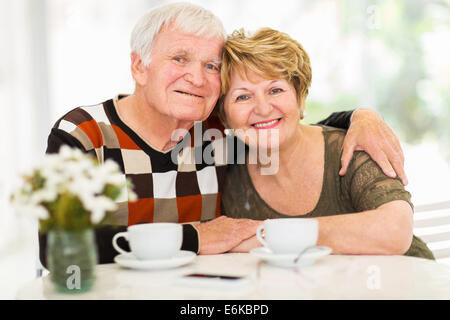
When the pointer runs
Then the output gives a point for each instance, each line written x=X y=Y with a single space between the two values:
x=195 y=74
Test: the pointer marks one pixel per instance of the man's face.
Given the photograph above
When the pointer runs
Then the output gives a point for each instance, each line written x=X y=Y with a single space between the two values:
x=183 y=76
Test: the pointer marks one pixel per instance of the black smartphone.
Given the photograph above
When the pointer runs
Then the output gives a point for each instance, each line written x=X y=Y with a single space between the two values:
x=213 y=280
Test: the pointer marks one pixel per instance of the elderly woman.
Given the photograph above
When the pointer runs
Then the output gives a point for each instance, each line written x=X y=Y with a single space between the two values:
x=265 y=81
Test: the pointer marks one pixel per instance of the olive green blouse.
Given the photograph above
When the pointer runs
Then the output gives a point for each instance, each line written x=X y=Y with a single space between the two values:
x=364 y=187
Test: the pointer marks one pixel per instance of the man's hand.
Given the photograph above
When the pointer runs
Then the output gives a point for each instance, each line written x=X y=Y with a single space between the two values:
x=370 y=133
x=223 y=234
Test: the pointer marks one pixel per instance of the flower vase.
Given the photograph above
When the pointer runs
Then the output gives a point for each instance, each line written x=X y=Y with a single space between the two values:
x=72 y=257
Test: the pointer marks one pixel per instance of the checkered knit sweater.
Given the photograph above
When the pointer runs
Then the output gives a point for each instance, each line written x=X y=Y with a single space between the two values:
x=183 y=192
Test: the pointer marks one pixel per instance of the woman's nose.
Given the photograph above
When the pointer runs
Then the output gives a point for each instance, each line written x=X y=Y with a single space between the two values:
x=263 y=106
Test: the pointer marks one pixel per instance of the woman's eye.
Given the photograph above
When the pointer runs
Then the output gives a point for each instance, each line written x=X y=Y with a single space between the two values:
x=242 y=98
x=276 y=90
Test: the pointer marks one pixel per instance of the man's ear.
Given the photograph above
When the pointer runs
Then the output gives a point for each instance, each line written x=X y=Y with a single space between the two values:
x=138 y=69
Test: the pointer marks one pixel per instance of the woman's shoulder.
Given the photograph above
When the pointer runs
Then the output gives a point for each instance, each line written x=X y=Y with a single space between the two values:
x=334 y=141
x=332 y=133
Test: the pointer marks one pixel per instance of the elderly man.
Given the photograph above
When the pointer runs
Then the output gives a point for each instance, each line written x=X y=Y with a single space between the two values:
x=175 y=62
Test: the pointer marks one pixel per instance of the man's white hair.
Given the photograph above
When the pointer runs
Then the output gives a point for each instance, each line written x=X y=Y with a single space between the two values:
x=186 y=17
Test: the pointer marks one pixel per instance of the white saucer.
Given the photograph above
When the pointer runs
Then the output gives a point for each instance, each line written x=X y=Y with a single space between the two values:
x=287 y=260
x=130 y=261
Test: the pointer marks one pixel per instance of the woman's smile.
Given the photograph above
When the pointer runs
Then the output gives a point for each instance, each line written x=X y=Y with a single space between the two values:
x=269 y=124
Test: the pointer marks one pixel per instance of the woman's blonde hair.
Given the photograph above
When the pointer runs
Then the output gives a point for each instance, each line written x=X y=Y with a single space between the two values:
x=269 y=53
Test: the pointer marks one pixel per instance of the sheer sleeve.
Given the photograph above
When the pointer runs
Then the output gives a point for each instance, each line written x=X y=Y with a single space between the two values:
x=369 y=187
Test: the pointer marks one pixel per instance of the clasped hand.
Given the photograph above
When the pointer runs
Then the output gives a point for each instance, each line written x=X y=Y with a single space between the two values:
x=224 y=234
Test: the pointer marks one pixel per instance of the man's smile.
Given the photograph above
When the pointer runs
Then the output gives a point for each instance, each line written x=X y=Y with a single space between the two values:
x=189 y=94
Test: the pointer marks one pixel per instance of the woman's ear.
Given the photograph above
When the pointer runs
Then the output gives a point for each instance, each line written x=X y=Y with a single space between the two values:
x=302 y=109
x=138 y=69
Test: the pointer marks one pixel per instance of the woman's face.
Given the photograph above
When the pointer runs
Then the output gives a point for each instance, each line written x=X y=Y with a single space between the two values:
x=262 y=112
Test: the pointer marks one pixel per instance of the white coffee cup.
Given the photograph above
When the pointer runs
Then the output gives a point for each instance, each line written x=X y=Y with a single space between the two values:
x=288 y=235
x=151 y=240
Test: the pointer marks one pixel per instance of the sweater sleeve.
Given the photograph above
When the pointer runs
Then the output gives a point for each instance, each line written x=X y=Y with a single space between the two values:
x=58 y=137
x=338 y=119
x=104 y=234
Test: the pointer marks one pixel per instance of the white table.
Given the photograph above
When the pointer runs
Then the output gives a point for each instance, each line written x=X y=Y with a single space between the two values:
x=331 y=277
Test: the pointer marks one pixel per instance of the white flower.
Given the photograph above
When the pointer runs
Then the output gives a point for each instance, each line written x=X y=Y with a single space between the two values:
x=44 y=195
x=72 y=171
x=36 y=211
x=67 y=153
x=98 y=206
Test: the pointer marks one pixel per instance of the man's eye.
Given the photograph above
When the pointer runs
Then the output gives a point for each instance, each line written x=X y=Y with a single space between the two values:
x=179 y=59
x=212 y=67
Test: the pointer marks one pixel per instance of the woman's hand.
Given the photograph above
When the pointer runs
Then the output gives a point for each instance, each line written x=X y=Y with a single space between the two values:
x=246 y=245
x=223 y=234
x=370 y=133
